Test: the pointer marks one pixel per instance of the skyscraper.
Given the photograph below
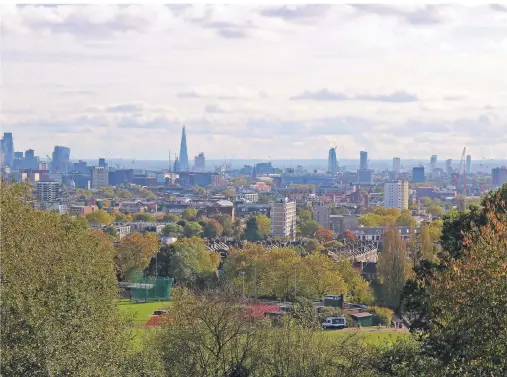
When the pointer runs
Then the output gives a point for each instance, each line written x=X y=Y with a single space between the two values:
x=448 y=167
x=332 y=163
x=8 y=149
x=396 y=165
x=433 y=161
x=469 y=164
x=60 y=161
x=183 y=151
x=418 y=174
x=283 y=219
x=199 y=162
x=363 y=160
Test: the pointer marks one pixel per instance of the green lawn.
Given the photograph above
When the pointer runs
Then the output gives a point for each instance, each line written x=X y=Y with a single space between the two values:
x=371 y=337
x=141 y=311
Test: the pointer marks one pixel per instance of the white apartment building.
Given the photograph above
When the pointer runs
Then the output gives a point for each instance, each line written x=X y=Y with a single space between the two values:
x=99 y=177
x=396 y=195
x=48 y=192
x=283 y=219
x=252 y=197
x=322 y=214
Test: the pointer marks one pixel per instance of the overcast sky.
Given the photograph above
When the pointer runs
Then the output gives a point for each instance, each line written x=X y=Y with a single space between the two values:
x=254 y=82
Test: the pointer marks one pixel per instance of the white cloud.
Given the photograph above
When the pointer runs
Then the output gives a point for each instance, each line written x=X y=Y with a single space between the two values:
x=405 y=80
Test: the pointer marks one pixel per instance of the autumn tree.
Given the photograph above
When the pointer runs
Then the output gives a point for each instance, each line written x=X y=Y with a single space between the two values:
x=133 y=253
x=320 y=275
x=212 y=228
x=324 y=235
x=392 y=267
x=192 y=229
x=146 y=217
x=427 y=246
x=257 y=228
x=98 y=217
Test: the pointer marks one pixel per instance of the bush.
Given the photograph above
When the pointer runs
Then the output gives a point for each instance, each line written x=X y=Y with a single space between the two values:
x=382 y=316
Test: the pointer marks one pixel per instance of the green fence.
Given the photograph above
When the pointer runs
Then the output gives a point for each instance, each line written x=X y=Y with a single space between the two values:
x=149 y=288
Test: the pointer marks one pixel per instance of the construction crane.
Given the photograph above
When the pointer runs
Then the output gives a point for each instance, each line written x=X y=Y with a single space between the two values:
x=132 y=164
x=462 y=164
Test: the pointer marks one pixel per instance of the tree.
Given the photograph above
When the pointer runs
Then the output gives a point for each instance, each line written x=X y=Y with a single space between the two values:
x=308 y=228
x=358 y=289
x=208 y=335
x=391 y=267
x=172 y=230
x=435 y=210
x=435 y=230
x=230 y=194
x=320 y=275
x=257 y=228
x=133 y=253
x=405 y=219
x=120 y=217
x=186 y=260
x=227 y=224
x=347 y=234
x=124 y=194
x=427 y=246
x=146 y=217
x=313 y=246
x=58 y=295
x=189 y=214
x=111 y=231
x=170 y=218
x=212 y=228
x=459 y=295
x=324 y=235
x=99 y=217
x=192 y=229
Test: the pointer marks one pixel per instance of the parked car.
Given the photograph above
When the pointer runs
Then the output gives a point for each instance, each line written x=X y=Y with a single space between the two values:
x=334 y=323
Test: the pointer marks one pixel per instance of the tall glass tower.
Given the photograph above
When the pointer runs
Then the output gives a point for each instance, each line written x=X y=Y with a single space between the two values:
x=183 y=151
x=332 y=163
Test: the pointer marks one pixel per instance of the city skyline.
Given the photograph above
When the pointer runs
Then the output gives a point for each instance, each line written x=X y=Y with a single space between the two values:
x=300 y=80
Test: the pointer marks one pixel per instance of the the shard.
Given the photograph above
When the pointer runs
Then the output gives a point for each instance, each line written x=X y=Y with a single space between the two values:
x=183 y=151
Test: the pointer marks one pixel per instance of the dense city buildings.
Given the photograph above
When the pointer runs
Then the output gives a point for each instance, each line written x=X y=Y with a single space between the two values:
x=396 y=165
x=498 y=176
x=418 y=174
x=199 y=162
x=283 y=219
x=321 y=214
x=99 y=177
x=396 y=195
x=60 y=160
x=183 y=159
x=332 y=162
x=47 y=192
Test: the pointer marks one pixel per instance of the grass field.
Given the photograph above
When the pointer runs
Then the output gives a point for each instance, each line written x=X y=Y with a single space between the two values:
x=370 y=336
x=140 y=312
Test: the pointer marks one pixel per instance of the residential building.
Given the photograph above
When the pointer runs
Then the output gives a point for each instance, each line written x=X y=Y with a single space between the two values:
x=418 y=174
x=48 y=192
x=396 y=164
x=283 y=219
x=339 y=223
x=332 y=162
x=81 y=210
x=199 y=162
x=322 y=214
x=183 y=160
x=468 y=165
x=251 y=197
x=396 y=195
x=363 y=160
x=61 y=160
x=498 y=176
x=99 y=177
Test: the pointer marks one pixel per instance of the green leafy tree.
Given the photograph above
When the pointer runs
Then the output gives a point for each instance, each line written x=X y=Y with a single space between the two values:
x=134 y=252
x=406 y=219
x=257 y=228
x=189 y=214
x=146 y=217
x=111 y=231
x=227 y=224
x=120 y=217
x=230 y=194
x=58 y=295
x=172 y=230
x=192 y=229
x=308 y=228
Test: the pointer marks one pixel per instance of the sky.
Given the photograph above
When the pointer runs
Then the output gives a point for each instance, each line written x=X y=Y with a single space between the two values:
x=275 y=82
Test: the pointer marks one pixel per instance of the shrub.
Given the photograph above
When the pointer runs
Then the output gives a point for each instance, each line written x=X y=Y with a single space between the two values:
x=382 y=316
